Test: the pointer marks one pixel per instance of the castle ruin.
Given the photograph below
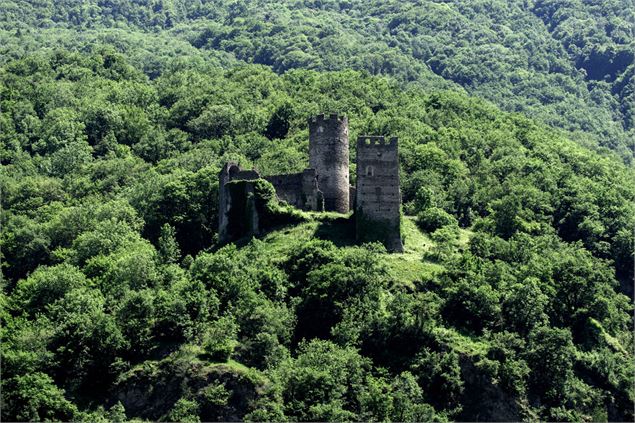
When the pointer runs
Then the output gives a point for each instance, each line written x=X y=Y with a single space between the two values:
x=324 y=186
x=328 y=155
x=378 y=199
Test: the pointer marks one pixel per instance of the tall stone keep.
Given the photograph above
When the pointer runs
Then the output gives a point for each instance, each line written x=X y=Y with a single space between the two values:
x=328 y=155
x=378 y=198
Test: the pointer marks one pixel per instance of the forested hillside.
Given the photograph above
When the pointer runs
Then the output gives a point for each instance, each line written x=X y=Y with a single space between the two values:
x=512 y=300
x=567 y=63
x=114 y=288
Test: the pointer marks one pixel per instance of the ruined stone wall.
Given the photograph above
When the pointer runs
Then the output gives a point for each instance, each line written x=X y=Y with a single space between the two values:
x=298 y=189
x=223 y=206
x=242 y=214
x=378 y=199
x=237 y=214
x=329 y=155
x=246 y=175
x=313 y=196
x=288 y=188
x=352 y=196
x=230 y=223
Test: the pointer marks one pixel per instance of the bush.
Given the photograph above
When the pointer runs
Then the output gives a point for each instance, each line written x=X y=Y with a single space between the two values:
x=434 y=218
x=439 y=374
x=35 y=397
x=220 y=339
x=472 y=306
x=185 y=411
x=47 y=285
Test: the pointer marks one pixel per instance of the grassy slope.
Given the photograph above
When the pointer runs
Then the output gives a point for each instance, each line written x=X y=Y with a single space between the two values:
x=410 y=266
x=407 y=268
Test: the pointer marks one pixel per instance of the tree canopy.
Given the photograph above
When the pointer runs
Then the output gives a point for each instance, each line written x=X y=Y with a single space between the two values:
x=511 y=301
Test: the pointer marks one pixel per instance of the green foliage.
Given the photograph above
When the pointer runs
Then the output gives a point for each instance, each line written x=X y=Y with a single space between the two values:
x=117 y=413
x=439 y=375
x=213 y=399
x=86 y=340
x=110 y=167
x=309 y=256
x=219 y=340
x=447 y=241
x=137 y=317
x=507 y=348
x=322 y=382
x=265 y=333
x=271 y=212
x=352 y=282
x=169 y=251
x=184 y=310
x=224 y=274
x=568 y=64
x=472 y=306
x=525 y=306
x=550 y=356
x=47 y=285
x=185 y=411
x=608 y=46
x=35 y=397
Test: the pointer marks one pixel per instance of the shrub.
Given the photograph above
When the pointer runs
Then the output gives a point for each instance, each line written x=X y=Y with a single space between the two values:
x=434 y=218
x=220 y=339
x=185 y=411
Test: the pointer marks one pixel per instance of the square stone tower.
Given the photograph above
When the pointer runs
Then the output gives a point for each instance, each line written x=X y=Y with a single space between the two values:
x=378 y=203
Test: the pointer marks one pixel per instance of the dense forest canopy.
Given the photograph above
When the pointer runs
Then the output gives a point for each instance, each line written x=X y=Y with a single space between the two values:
x=510 y=303
x=567 y=63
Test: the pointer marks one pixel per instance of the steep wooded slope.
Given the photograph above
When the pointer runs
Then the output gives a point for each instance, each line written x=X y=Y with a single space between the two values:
x=567 y=63
x=506 y=306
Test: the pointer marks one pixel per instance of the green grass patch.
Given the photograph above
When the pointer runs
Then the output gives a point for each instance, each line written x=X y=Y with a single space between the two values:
x=409 y=267
x=406 y=268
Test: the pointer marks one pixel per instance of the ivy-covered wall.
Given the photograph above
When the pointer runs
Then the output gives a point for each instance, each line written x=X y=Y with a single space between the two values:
x=253 y=207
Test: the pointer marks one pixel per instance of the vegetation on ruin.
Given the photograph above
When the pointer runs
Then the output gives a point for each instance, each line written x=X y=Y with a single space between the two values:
x=510 y=300
x=255 y=202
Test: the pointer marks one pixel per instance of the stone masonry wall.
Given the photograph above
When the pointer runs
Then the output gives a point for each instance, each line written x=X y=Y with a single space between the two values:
x=378 y=199
x=298 y=189
x=226 y=218
x=325 y=186
x=288 y=187
x=328 y=155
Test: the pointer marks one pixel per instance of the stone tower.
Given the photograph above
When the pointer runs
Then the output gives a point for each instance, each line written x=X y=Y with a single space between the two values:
x=378 y=200
x=236 y=213
x=328 y=155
